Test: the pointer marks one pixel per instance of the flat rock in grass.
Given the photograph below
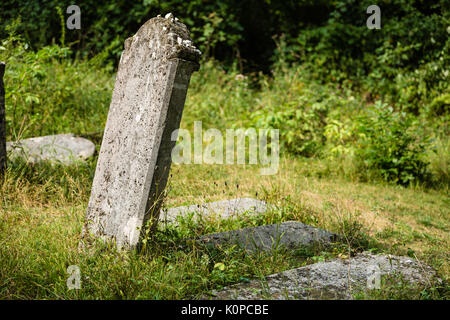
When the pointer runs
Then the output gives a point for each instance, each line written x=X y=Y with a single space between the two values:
x=335 y=279
x=63 y=148
x=222 y=209
x=290 y=234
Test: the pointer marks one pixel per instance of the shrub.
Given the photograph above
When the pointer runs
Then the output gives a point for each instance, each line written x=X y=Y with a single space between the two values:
x=48 y=93
x=388 y=142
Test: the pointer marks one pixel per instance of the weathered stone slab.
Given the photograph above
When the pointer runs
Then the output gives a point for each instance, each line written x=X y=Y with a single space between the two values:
x=290 y=235
x=224 y=209
x=61 y=148
x=146 y=108
x=2 y=121
x=336 y=279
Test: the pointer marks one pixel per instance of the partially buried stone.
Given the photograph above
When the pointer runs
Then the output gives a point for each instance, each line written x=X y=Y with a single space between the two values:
x=289 y=235
x=223 y=209
x=335 y=279
x=60 y=148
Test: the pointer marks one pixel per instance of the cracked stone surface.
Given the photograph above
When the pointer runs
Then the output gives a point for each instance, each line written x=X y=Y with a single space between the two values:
x=335 y=279
x=221 y=209
x=63 y=148
x=291 y=235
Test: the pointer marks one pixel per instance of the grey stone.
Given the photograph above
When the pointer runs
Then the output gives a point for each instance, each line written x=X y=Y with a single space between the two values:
x=135 y=156
x=290 y=235
x=335 y=279
x=2 y=121
x=222 y=209
x=61 y=148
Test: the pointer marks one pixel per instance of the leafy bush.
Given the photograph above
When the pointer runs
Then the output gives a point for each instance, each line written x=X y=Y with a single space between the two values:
x=440 y=106
x=383 y=142
x=301 y=127
x=48 y=93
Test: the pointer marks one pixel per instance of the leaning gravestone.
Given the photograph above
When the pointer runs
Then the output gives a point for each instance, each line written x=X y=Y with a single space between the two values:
x=2 y=121
x=146 y=107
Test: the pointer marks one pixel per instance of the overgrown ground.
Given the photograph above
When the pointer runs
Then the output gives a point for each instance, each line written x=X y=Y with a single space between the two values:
x=43 y=209
x=323 y=180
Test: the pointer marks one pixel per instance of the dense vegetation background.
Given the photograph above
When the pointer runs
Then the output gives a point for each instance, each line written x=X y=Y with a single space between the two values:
x=363 y=118
x=334 y=87
x=413 y=31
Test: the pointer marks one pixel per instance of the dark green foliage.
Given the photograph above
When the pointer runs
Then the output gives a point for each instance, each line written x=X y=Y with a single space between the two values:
x=404 y=60
x=106 y=24
x=333 y=34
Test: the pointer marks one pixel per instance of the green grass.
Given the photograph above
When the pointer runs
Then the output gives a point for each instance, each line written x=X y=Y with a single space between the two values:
x=43 y=209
